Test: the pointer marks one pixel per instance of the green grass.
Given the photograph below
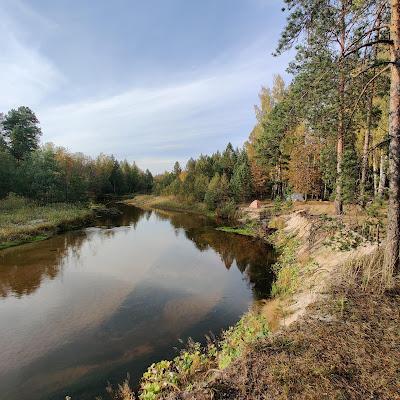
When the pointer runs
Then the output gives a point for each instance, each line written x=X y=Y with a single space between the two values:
x=287 y=267
x=245 y=231
x=24 y=221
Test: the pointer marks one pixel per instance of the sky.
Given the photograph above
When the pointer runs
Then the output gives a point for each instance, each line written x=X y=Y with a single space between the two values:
x=151 y=81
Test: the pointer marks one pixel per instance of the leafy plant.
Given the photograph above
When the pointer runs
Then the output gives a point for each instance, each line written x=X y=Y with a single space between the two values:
x=195 y=361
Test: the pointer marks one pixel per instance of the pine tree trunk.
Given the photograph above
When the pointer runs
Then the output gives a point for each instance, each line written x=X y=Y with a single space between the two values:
x=364 y=164
x=368 y=132
x=340 y=135
x=382 y=174
x=391 y=265
x=375 y=172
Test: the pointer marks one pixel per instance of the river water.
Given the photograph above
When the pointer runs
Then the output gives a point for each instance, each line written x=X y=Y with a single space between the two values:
x=88 y=307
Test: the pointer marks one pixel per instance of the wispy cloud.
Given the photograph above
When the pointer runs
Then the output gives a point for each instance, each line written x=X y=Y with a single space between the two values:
x=26 y=76
x=185 y=113
x=169 y=118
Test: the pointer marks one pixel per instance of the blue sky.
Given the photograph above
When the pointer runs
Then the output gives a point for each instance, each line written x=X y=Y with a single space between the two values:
x=152 y=80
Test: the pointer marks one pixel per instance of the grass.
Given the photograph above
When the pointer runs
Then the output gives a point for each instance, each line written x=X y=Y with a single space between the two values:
x=244 y=231
x=346 y=348
x=24 y=221
x=287 y=267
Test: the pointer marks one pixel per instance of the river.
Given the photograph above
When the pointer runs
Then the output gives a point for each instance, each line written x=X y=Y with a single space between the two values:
x=89 y=306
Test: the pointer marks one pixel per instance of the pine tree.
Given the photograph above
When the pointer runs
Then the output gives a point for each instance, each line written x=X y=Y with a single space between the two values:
x=21 y=132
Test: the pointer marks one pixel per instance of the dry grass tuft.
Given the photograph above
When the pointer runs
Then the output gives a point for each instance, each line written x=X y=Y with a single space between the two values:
x=366 y=273
x=122 y=392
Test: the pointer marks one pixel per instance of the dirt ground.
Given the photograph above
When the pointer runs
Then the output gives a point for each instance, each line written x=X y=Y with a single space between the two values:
x=347 y=347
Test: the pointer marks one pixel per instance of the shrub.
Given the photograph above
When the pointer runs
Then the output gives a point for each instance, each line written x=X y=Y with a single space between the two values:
x=12 y=202
x=227 y=209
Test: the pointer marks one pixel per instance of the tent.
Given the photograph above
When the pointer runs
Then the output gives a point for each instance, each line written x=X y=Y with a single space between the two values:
x=255 y=204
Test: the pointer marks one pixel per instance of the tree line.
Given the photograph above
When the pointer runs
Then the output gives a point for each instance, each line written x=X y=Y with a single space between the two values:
x=220 y=180
x=52 y=174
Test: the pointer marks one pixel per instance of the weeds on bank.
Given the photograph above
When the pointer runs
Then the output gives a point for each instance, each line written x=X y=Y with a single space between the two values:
x=22 y=220
x=340 y=237
x=369 y=227
x=123 y=391
x=287 y=268
x=196 y=362
x=248 y=229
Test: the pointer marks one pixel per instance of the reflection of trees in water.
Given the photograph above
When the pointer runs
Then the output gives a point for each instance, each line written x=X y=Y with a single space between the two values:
x=253 y=257
x=24 y=268
x=130 y=217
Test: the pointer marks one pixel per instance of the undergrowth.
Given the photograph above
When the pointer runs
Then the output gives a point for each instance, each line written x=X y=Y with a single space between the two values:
x=287 y=268
x=196 y=362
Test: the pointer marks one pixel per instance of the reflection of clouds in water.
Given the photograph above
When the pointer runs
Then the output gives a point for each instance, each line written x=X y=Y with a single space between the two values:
x=182 y=313
x=106 y=272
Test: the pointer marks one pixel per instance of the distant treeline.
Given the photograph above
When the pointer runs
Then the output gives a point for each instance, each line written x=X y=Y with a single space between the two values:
x=220 y=180
x=52 y=174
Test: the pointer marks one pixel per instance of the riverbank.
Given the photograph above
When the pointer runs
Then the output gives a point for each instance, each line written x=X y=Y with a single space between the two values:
x=331 y=323
x=23 y=221
x=167 y=203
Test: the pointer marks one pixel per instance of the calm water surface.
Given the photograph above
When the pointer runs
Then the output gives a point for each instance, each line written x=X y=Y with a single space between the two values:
x=87 y=307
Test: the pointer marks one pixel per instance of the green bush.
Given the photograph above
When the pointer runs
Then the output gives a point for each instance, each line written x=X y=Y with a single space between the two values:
x=13 y=202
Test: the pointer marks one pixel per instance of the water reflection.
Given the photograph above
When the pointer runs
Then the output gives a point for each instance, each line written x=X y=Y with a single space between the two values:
x=24 y=268
x=85 y=307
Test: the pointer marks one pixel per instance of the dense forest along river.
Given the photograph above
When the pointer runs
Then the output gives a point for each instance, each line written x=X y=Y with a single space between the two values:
x=86 y=307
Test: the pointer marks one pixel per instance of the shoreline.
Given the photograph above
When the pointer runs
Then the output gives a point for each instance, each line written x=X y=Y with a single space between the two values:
x=317 y=281
x=27 y=222
x=167 y=203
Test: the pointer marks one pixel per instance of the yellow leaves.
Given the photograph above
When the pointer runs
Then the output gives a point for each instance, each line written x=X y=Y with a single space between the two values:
x=182 y=176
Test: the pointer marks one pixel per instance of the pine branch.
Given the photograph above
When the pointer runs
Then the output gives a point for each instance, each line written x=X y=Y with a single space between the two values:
x=368 y=44
x=363 y=92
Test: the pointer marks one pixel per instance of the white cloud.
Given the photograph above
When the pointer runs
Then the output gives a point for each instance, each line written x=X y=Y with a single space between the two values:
x=209 y=105
x=26 y=76
x=166 y=118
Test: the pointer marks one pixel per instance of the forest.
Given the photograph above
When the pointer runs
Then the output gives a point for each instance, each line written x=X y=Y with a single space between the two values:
x=322 y=156
x=50 y=174
x=330 y=134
